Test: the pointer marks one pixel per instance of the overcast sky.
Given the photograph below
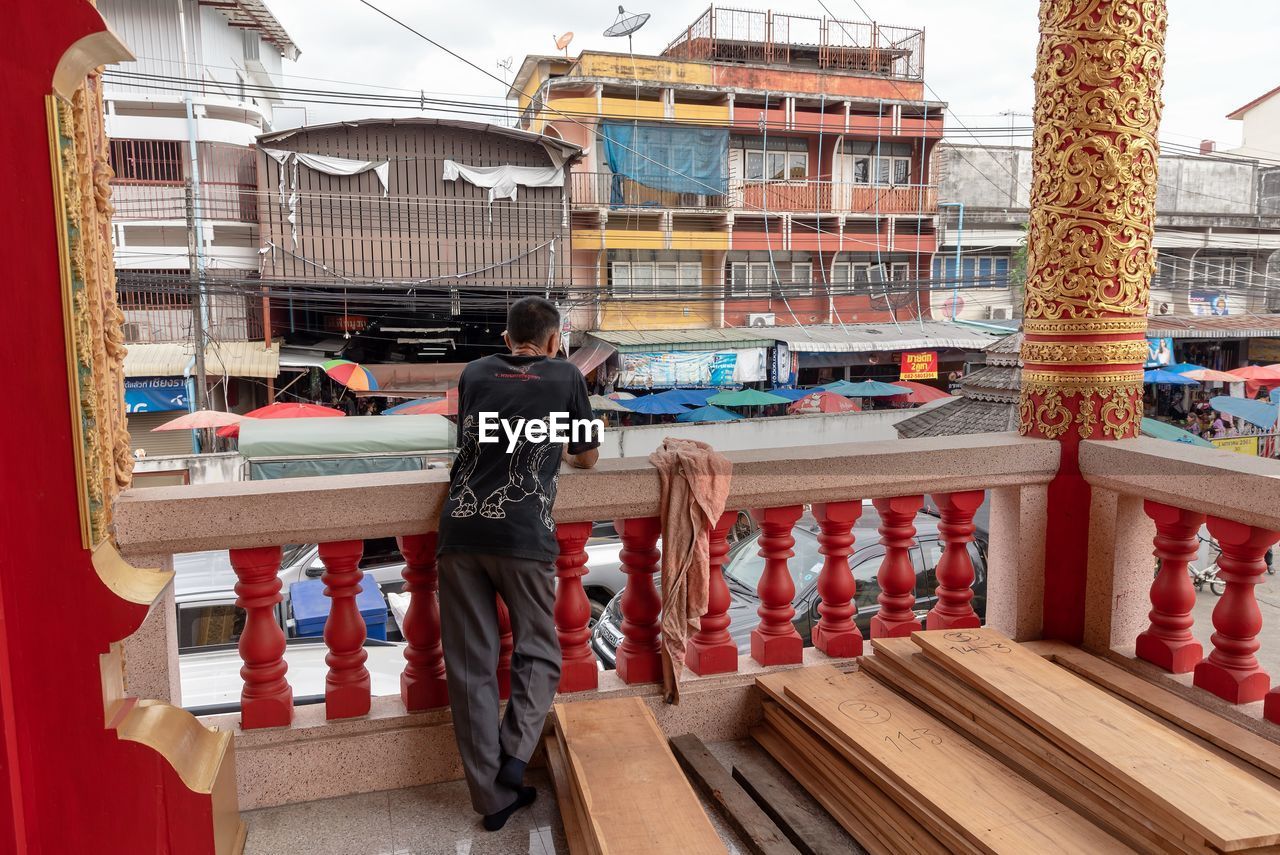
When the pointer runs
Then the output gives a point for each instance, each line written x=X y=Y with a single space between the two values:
x=979 y=55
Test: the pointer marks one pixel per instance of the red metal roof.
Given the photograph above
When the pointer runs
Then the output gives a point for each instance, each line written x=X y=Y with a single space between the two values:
x=1239 y=114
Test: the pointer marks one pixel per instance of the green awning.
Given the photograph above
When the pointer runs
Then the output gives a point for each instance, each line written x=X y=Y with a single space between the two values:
x=346 y=436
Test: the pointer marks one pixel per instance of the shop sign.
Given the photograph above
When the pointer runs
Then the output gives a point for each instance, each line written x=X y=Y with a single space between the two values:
x=782 y=365
x=1159 y=352
x=154 y=394
x=1264 y=350
x=1209 y=303
x=1239 y=444
x=347 y=323
x=922 y=365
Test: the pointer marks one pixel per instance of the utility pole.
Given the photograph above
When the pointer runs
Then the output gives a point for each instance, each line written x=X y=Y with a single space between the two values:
x=197 y=297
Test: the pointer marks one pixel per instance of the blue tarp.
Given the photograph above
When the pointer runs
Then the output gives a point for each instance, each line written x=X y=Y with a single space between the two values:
x=672 y=158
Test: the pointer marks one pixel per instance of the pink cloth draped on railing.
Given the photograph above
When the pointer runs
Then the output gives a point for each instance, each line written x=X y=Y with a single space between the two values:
x=695 y=486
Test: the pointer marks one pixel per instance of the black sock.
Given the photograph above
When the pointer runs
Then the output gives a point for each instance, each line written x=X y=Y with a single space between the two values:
x=511 y=772
x=524 y=798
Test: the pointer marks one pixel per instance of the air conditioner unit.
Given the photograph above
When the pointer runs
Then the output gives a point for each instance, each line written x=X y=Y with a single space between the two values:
x=999 y=313
x=762 y=319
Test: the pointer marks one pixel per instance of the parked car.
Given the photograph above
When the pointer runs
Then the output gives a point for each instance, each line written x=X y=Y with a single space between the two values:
x=744 y=566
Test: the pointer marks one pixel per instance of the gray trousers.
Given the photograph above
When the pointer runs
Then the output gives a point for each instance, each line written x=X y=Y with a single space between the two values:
x=469 y=633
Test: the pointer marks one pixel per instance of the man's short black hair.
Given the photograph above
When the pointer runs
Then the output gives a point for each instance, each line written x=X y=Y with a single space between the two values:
x=532 y=320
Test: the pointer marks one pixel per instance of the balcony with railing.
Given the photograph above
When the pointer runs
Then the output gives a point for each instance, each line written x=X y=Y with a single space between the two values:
x=614 y=192
x=150 y=182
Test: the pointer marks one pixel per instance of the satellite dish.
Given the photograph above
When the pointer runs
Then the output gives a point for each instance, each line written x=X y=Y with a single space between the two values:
x=562 y=42
x=626 y=24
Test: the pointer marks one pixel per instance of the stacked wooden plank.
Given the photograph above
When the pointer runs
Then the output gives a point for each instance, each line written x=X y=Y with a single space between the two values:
x=619 y=788
x=964 y=741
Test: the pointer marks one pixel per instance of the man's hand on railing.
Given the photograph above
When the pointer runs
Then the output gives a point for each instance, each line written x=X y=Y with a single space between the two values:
x=585 y=460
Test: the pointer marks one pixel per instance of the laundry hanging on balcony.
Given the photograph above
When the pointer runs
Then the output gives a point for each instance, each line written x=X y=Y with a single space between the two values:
x=289 y=161
x=503 y=181
x=672 y=159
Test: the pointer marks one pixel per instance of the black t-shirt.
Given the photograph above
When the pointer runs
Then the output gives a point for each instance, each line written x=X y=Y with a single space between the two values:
x=501 y=492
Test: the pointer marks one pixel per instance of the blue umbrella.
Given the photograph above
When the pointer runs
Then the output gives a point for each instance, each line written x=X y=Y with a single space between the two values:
x=867 y=389
x=1183 y=367
x=1159 y=376
x=1160 y=430
x=1258 y=413
x=791 y=394
x=688 y=397
x=654 y=405
x=391 y=411
x=708 y=414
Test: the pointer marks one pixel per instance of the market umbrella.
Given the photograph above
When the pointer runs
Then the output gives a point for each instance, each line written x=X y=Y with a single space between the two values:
x=350 y=374
x=867 y=389
x=621 y=396
x=688 y=397
x=284 y=410
x=1258 y=413
x=920 y=393
x=746 y=398
x=1160 y=377
x=1208 y=375
x=823 y=402
x=1160 y=430
x=600 y=403
x=1262 y=375
x=1182 y=367
x=708 y=414
x=446 y=406
x=408 y=405
x=200 y=419
x=654 y=405
x=792 y=394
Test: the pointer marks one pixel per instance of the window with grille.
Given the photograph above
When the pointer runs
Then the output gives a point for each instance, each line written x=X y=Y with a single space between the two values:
x=978 y=271
x=639 y=278
x=784 y=158
x=146 y=160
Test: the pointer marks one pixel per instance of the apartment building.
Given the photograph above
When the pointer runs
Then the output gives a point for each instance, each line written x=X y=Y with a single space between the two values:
x=764 y=169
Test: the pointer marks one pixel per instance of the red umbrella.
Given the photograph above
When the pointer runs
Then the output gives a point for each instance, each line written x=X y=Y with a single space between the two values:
x=283 y=410
x=823 y=402
x=200 y=419
x=1257 y=376
x=920 y=393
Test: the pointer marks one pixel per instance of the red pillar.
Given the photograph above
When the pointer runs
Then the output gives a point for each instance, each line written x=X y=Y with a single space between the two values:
x=422 y=683
x=506 y=643
x=775 y=640
x=639 y=656
x=578 y=670
x=266 y=699
x=1231 y=670
x=955 y=568
x=711 y=650
x=836 y=634
x=346 y=689
x=1168 y=641
x=897 y=575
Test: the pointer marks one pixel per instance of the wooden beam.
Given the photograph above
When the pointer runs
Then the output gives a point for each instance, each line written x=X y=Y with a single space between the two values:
x=807 y=832
x=758 y=831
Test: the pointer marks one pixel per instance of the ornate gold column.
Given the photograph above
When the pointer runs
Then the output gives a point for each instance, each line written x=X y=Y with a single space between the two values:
x=1099 y=73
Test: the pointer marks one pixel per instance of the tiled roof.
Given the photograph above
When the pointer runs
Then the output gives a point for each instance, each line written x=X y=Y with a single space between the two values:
x=1011 y=344
x=960 y=416
x=999 y=382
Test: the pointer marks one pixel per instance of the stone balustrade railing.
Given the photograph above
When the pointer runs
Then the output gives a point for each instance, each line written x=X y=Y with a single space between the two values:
x=253 y=520
x=1141 y=485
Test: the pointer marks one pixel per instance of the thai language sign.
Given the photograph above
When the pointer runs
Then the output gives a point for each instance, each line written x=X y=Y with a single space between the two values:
x=1238 y=444
x=919 y=366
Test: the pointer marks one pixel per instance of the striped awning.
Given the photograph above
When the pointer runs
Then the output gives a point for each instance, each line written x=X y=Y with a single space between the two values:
x=221 y=359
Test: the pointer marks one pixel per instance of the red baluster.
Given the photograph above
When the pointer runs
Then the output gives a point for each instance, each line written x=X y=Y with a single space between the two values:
x=505 y=645
x=422 y=683
x=266 y=699
x=1168 y=642
x=835 y=633
x=639 y=657
x=1231 y=670
x=954 y=609
x=897 y=575
x=346 y=688
x=775 y=640
x=711 y=649
x=578 y=669
x=1271 y=706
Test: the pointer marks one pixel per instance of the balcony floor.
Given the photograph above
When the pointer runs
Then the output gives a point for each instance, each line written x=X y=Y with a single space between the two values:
x=437 y=820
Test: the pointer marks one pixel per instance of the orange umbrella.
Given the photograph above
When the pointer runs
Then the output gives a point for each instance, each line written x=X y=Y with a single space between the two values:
x=282 y=410
x=200 y=419
x=920 y=393
x=823 y=402
x=1208 y=375
x=1256 y=376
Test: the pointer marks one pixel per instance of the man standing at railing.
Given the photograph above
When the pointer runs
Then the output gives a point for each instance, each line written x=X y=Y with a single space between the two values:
x=497 y=537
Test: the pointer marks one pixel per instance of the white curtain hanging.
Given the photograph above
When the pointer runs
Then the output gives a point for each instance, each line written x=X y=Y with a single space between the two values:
x=289 y=161
x=503 y=181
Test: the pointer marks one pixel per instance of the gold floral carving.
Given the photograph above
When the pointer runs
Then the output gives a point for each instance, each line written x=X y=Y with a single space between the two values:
x=95 y=339
x=1126 y=352
x=1086 y=327
x=1044 y=395
x=1099 y=72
